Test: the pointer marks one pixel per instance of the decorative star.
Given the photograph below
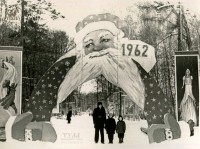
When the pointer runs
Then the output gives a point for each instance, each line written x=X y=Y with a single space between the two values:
x=56 y=68
x=50 y=85
x=115 y=21
x=43 y=85
x=67 y=63
x=50 y=102
x=40 y=108
x=44 y=101
x=154 y=116
x=80 y=28
x=52 y=72
x=145 y=113
x=91 y=17
x=158 y=92
x=153 y=108
x=153 y=99
x=151 y=84
x=38 y=93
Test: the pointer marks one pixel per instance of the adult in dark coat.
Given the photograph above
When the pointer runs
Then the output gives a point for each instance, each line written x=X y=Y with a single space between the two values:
x=99 y=118
x=110 y=127
x=69 y=115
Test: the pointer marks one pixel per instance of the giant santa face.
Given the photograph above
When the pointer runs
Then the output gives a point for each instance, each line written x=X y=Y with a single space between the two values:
x=101 y=55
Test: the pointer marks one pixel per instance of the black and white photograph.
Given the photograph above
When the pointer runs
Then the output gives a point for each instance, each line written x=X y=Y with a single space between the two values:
x=99 y=74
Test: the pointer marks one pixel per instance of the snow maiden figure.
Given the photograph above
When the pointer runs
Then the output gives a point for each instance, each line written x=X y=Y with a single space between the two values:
x=187 y=106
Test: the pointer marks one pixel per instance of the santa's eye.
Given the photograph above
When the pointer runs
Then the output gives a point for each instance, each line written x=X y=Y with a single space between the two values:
x=105 y=40
x=89 y=45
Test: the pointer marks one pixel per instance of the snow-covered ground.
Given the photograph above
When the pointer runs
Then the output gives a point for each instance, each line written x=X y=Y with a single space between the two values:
x=80 y=134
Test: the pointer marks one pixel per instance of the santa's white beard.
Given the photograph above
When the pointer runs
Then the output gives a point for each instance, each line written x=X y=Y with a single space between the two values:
x=117 y=69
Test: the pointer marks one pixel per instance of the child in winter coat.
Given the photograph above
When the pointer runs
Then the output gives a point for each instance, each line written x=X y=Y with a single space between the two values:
x=110 y=127
x=121 y=128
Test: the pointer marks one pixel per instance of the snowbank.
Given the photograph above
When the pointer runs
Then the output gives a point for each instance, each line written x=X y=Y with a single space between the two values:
x=80 y=134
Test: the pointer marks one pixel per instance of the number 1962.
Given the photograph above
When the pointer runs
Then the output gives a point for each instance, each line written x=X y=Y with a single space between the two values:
x=139 y=50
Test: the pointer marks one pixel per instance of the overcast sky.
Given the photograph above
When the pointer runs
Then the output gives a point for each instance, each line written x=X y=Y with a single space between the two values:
x=76 y=10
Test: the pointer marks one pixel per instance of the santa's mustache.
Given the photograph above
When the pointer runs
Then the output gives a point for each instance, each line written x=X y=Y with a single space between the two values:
x=117 y=69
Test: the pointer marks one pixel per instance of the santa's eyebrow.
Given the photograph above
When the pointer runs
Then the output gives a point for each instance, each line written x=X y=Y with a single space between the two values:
x=86 y=40
x=103 y=35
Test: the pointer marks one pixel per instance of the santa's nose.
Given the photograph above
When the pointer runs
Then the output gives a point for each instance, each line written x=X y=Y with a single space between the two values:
x=98 y=47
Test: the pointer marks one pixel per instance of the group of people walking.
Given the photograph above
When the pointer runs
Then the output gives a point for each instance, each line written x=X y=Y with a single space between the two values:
x=100 y=122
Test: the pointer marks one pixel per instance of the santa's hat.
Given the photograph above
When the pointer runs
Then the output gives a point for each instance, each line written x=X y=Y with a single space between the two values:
x=92 y=23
